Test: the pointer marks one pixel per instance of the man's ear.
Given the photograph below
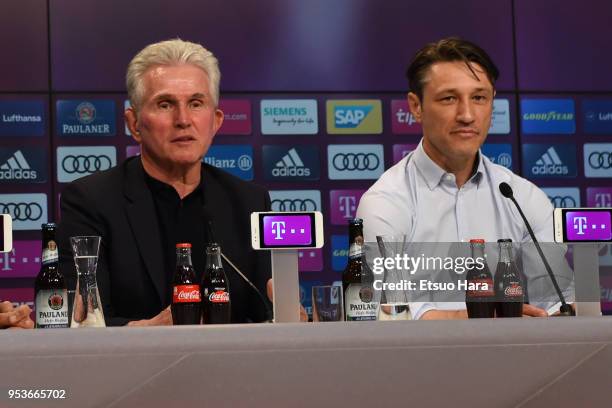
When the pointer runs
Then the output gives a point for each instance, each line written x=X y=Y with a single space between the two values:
x=414 y=103
x=131 y=119
x=219 y=116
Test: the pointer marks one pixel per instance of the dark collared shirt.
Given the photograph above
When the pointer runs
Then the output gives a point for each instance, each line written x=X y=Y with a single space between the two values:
x=179 y=221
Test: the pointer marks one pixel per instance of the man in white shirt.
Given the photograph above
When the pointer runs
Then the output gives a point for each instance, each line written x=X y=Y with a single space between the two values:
x=446 y=190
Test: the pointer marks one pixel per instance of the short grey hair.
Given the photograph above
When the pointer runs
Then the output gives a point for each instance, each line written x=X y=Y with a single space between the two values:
x=171 y=52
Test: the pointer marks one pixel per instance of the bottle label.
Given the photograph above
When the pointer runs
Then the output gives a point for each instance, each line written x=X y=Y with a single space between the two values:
x=358 y=304
x=186 y=294
x=513 y=290
x=52 y=308
x=483 y=288
x=49 y=253
x=355 y=250
x=219 y=296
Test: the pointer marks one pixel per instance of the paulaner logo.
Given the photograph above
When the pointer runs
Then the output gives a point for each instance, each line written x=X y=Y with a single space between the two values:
x=92 y=118
x=17 y=168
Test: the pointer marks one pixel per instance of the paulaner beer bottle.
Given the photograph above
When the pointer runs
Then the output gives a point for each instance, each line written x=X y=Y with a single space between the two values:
x=186 y=298
x=480 y=295
x=216 y=305
x=508 y=283
x=357 y=278
x=50 y=287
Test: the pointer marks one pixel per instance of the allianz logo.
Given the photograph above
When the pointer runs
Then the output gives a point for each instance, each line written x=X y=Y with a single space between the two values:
x=601 y=116
x=549 y=116
x=549 y=164
x=244 y=162
x=290 y=165
x=16 y=167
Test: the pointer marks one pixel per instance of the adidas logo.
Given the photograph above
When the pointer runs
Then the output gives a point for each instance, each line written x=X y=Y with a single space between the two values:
x=549 y=164
x=17 y=168
x=290 y=165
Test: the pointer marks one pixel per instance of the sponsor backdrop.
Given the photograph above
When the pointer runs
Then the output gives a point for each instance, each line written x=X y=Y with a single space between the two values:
x=318 y=115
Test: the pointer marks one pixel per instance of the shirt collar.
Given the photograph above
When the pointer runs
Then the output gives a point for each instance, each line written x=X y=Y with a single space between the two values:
x=434 y=174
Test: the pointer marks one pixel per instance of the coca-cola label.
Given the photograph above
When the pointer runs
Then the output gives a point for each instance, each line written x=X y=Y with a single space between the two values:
x=219 y=296
x=514 y=290
x=186 y=294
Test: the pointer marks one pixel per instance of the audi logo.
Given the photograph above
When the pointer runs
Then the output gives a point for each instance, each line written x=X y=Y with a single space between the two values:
x=600 y=160
x=22 y=211
x=562 y=201
x=86 y=164
x=296 y=204
x=355 y=161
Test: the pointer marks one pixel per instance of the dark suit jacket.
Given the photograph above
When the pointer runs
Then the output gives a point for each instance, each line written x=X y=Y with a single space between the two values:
x=118 y=206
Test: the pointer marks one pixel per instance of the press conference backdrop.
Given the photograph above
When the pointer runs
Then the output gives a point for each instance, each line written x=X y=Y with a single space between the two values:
x=314 y=100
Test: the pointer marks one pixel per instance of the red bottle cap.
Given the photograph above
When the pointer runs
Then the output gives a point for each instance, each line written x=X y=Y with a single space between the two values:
x=477 y=241
x=183 y=245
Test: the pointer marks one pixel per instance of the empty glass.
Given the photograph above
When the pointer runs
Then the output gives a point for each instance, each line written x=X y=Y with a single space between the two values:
x=87 y=307
x=327 y=304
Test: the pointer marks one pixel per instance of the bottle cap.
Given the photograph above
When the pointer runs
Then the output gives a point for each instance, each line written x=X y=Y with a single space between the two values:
x=183 y=245
x=477 y=241
x=504 y=240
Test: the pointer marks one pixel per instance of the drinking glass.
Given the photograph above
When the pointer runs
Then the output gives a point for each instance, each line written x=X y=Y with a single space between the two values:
x=327 y=304
x=87 y=307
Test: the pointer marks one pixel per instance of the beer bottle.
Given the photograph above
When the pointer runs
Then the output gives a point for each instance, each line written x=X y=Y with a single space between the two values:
x=508 y=283
x=357 y=278
x=216 y=305
x=51 y=294
x=186 y=298
x=480 y=295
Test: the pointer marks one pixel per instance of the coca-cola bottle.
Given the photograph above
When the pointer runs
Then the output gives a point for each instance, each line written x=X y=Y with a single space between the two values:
x=509 y=286
x=216 y=305
x=186 y=298
x=50 y=287
x=480 y=293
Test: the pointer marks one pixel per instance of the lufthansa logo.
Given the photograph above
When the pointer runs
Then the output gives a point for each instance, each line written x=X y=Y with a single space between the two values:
x=85 y=164
x=562 y=201
x=600 y=160
x=355 y=161
x=296 y=204
x=22 y=211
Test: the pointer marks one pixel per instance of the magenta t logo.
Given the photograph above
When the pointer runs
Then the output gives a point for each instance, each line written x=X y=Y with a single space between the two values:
x=278 y=229
x=580 y=224
x=401 y=150
x=599 y=197
x=287 y=230
x=588 y=225
x=344 y=205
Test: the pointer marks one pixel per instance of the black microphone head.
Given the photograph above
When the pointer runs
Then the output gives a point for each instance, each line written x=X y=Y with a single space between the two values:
x=505 y=189
x=208 y=222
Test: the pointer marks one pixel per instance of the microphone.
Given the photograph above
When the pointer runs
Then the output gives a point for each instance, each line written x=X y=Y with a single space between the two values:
x=565 y=309
x=207 y=218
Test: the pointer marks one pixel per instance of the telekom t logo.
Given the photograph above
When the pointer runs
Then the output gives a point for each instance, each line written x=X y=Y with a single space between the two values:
x=603 y=199
x=348 y=205
x=278 y=228
x=580 y=223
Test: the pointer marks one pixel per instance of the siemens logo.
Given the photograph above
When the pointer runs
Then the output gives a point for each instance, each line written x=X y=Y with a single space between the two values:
x=235 y=159
x=289 y=117
x=548 y=116
x=354 y=116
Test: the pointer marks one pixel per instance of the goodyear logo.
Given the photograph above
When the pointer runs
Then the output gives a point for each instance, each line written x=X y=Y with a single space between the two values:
x=354 y=116
x=548 y=116
x=339 y=249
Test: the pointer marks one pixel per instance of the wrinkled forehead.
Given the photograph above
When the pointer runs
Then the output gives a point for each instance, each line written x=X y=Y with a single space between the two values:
x=180 y=79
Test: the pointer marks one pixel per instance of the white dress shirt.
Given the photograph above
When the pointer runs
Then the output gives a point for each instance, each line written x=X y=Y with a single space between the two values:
x=418 y=198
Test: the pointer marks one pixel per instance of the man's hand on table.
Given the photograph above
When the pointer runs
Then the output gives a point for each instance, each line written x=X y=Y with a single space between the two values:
x=15 y=318
x=164 y=318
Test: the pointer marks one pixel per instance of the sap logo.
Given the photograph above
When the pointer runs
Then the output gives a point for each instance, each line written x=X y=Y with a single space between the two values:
x=350 y=116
